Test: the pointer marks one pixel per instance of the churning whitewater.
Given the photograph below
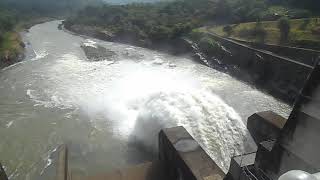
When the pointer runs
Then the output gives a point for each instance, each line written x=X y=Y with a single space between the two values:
x=110 y=112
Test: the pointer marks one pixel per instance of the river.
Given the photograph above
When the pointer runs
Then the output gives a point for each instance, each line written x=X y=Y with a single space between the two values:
x=109 y=112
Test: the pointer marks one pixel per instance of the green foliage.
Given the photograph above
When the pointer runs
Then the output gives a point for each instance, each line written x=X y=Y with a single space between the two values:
x=159 y=21
x=227 y=29
x=209 y=45
x=259 y=32
x=171 y=20
x=284 y=27
x=7 y=22
x=248 y=10
x=313 y=5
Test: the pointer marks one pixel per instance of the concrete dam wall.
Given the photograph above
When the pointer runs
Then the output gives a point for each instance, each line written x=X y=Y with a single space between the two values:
x=306 y=56
x=279 y=75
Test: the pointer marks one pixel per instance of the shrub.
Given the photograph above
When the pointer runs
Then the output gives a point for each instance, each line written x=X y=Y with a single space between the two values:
x=227 y=29
x=259 y=32
x=209 y=45
x=284 y=27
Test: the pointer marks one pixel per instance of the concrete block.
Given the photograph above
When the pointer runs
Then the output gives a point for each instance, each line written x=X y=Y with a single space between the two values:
x=265 y=125
x=184 y=158
x=238 y=163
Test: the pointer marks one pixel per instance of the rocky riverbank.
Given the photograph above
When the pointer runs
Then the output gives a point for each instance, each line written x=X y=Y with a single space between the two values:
x=10 y=59
x=174 y=46
x=12 y=47
x=11 y=50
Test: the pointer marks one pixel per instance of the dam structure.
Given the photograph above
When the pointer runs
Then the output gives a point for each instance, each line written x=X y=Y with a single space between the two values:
x=284 y=144
x=96 y=110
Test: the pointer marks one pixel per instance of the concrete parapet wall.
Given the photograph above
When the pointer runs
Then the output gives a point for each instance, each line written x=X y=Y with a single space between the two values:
x=265 y=125
x=184 y=158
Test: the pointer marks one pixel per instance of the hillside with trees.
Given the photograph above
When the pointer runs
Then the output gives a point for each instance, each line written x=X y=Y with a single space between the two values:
x=147 y=23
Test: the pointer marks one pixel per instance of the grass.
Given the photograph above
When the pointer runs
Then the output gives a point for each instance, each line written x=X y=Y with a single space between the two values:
x=307 y=30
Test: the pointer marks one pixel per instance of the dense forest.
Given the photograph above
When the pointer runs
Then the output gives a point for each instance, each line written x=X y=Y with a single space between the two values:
x=169 y=20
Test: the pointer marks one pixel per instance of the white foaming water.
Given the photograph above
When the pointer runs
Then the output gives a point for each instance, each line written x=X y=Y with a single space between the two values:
x=91 y=43
x=148 y=99
x=141 y=98
x=39 y=55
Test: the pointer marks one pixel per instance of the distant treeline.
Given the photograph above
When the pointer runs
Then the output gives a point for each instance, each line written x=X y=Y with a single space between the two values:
x=46 y=7
x=8 y=19
x=313 y=5
x=169 y=20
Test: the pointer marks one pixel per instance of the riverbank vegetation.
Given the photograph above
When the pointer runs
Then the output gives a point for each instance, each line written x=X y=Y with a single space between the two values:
x=10 y=42
x=17 y=15
x=165 y=21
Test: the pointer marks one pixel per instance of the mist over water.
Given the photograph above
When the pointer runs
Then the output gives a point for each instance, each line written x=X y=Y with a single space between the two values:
x=110 y=112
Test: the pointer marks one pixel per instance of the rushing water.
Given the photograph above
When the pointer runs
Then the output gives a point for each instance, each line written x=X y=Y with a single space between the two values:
x=109 y=112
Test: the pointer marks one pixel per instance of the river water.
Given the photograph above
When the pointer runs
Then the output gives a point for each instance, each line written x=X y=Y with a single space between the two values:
x=109 y=112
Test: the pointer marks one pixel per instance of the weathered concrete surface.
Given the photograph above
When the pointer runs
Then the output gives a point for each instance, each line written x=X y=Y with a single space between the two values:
x=298 y=145
x=184 y=158
x=270 y=158
x=238 y=163
x=265 y=125
x=301 y=134
x=146 y=171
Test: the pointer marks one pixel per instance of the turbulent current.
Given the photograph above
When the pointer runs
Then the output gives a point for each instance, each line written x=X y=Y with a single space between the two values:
x=109 y=112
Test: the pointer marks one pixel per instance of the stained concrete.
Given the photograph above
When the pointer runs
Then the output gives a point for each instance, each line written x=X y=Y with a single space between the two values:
x=265 y=125
x=184 y=158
